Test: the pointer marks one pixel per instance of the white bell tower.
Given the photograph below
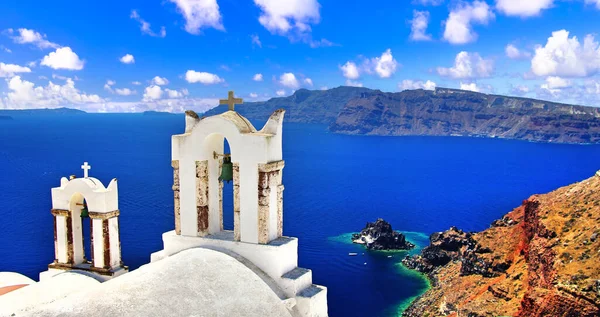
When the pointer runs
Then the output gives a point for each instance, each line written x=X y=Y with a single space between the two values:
x=76 y=200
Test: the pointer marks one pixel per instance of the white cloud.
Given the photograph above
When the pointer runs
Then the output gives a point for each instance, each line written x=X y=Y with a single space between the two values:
x=176 y=94
x=27 y=36
x=289 y=80
x=160 y=81
x=253 y=95
x=324 y=88
x=523 y=9
x=419 y=25
x=9 y=70
x=124 y=91
x=280 y=93
x=145 y=26
x=411 y=84
x=109 y=84
x=200 y=14
x=24 y=94
x=566 y=57
x=461 y=19
x=255 y=40
x=152 y=93
x=137 y=83
x=127 y=59
x=193 y=76
x=350 y=70
x=385 y=66
x=554 y=82
x=63 y=58
x=308 y=81
x=283 y=17
x=513 y=52
x=353 y=83
x=596 y=2
x=470 y=87
x=468 y=66
x=257 y=77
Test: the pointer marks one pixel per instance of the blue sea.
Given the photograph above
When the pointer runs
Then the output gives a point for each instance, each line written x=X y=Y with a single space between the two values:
x=334 y=184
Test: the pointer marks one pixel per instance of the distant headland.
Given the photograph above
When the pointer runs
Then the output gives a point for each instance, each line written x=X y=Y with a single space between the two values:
x=443 y=112
x=26 y=112
x=157 y=113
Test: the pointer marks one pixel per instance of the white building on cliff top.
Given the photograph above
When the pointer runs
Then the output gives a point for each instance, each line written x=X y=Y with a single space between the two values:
x=203 y=270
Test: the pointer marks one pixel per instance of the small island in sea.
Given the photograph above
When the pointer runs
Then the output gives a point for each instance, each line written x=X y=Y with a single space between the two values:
x=156 y=113
x=379 y=235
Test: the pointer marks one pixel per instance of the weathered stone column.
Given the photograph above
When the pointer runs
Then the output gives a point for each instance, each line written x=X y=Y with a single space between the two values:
x=177 y=205
x=106 y=242
x=270 y=199
x=236 y=202
x=63 y=236
x=202 y=197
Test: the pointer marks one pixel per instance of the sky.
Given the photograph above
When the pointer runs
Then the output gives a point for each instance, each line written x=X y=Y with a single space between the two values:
x=174 y=55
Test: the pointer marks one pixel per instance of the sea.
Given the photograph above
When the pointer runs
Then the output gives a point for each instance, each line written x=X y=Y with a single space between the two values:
x=334 y=185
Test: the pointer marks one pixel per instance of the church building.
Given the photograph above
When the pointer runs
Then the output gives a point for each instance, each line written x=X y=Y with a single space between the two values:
x=202 y=270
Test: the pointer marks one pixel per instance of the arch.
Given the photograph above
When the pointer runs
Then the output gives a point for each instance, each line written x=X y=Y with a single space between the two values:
x=76 y=222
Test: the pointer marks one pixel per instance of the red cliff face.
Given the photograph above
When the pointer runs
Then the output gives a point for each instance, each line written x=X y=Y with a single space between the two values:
x=540 y=260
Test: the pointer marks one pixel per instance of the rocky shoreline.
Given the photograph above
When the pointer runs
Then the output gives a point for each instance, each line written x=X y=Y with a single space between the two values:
x=537 y=261
x=379 y=235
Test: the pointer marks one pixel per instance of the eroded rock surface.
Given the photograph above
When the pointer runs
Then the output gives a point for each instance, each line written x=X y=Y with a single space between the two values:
x=379 y=235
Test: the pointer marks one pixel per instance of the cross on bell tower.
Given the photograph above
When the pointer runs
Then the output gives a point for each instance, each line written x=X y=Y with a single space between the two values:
x=85 y=167
x=231 y=101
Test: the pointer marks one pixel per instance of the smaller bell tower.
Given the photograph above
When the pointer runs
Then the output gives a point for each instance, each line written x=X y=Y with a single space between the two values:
x=86 y=199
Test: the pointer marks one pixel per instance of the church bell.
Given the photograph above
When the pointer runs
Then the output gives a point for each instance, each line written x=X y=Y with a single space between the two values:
x=84 y=211
x=227 y=170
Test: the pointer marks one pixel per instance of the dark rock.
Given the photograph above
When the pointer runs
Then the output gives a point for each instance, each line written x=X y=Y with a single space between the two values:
x=379 y=235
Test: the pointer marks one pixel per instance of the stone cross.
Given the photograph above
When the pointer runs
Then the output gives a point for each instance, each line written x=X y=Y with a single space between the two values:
x=231 y=101
x=85 y=167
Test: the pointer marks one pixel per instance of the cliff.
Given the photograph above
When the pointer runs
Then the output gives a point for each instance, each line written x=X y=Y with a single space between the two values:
x=449 y=112
x=538 y=260
x=306 y=106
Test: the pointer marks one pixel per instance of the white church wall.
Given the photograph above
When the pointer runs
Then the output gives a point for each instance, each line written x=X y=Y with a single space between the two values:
x=61 y=239
x=98 y=243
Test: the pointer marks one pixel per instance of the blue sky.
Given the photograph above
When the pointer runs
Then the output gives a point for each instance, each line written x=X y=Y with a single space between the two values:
x=172 y=55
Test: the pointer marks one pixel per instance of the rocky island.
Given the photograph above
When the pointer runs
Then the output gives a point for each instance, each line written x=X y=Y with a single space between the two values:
x=379 y=235
x=539 y=260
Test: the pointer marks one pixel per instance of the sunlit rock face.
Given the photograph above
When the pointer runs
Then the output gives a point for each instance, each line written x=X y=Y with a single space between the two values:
x=379 y=235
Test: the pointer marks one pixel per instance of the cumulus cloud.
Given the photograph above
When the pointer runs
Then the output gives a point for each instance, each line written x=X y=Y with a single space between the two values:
x=153 y=92
x=419 y=25
x=280 y=93
x=24 y=94
x=520 y=90
x=145 y=26
x=523 y=9
x=385 y=66
x=257 y=77
x=554 y=82
x=428 y=2
x=137 y=83
x=418 y=84
x=308 y=81
x=27 y=36
x=282 y=17
x=513 y=52
x=289 y=80
x=350 y=70
x=9 y=70
x=127 y=59
x=253 y=95
x=468 y=66
x=160 y=81
x=63 y=58
x=176 y=93
x=470 y=87
x=109 y=84
x=124 y=91
x=596 y=2
x=566 y=57
x=200 y=14
x=205 y=78
x=459 y=26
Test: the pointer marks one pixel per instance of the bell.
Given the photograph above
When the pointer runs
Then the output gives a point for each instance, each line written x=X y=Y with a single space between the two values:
x=227 y=170
x=84 y=211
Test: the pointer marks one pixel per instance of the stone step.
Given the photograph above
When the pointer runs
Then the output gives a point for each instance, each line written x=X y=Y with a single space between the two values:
x=296 y=280
x=312 y=301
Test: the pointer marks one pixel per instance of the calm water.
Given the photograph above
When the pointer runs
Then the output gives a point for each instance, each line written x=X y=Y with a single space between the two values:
x=334 y=185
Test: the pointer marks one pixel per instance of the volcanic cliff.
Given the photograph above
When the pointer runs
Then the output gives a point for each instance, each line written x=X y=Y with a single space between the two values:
x=541 y=259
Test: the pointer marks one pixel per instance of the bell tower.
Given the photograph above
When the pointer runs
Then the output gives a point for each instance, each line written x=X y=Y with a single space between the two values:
x=255 y=165
x=86 y=199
